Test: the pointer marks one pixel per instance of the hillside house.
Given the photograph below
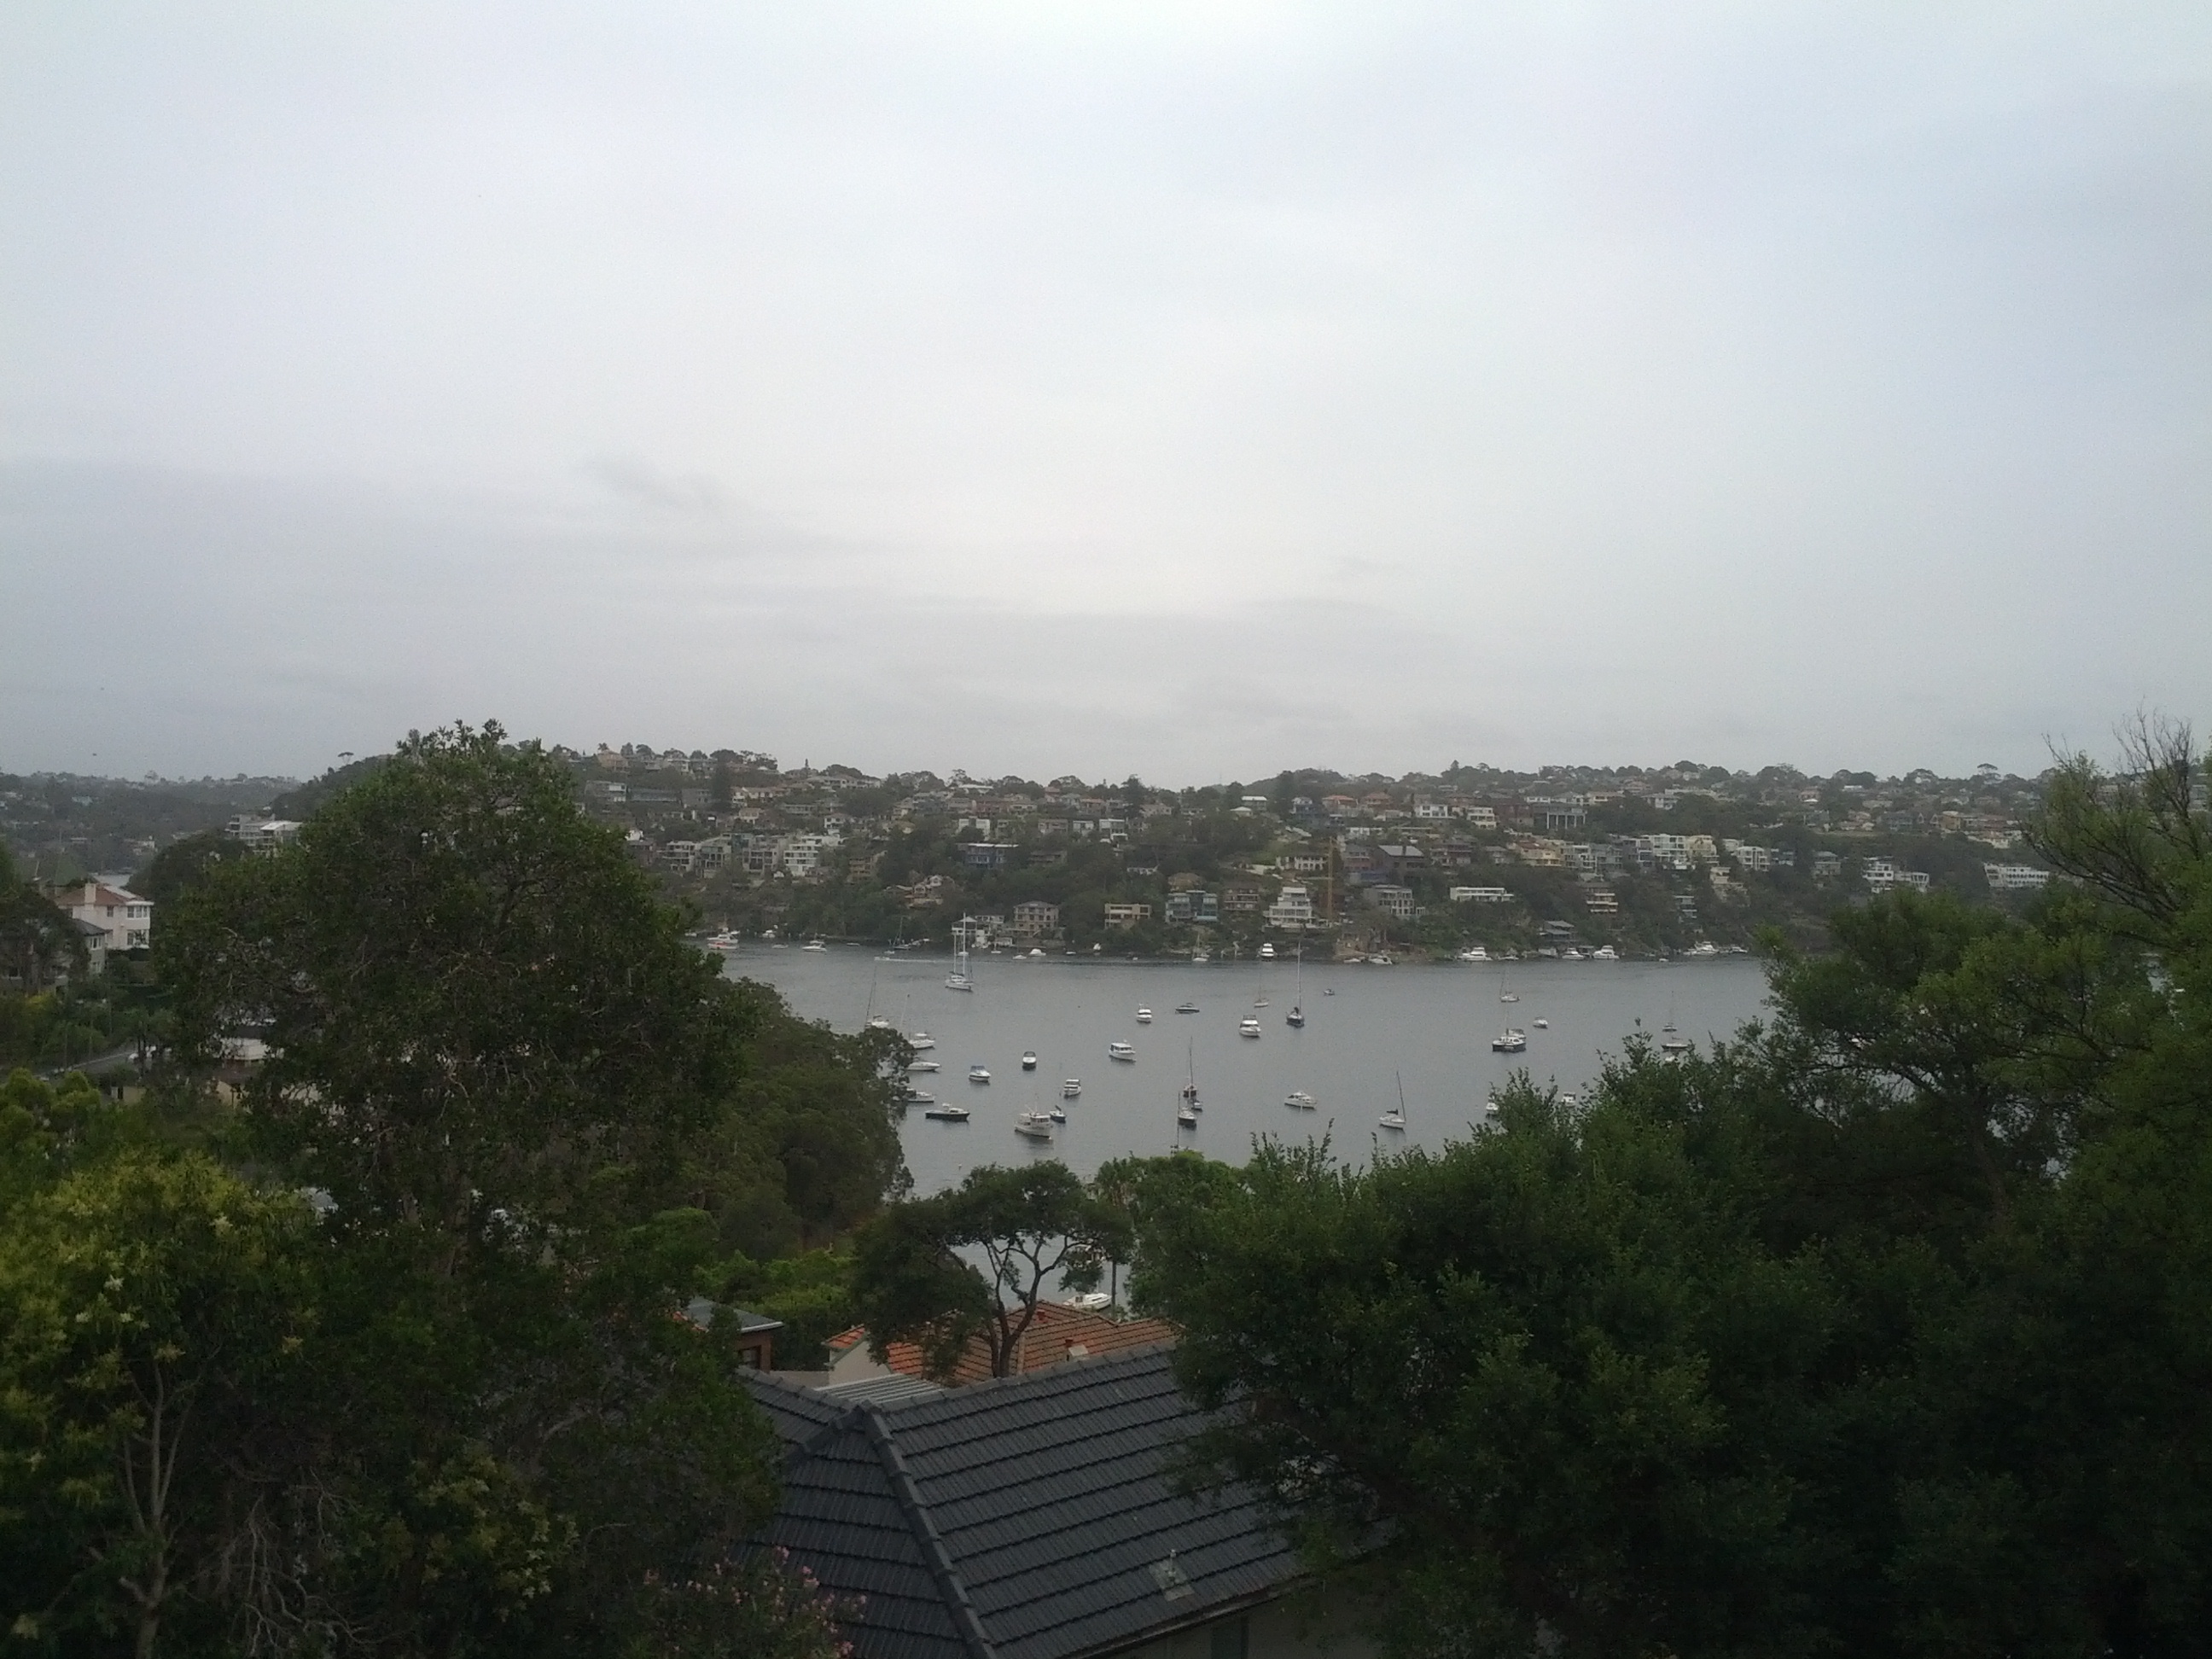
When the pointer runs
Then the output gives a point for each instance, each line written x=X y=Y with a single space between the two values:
x=125 y=920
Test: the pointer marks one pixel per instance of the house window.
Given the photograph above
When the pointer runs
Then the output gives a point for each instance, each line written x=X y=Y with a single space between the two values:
x=1229 y=1639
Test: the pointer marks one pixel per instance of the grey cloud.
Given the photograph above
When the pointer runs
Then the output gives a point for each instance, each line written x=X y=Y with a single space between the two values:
x=1197 y=387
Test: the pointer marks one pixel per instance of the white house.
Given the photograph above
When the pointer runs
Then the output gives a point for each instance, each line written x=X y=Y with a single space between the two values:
x=125 y=920
x=1293 y=908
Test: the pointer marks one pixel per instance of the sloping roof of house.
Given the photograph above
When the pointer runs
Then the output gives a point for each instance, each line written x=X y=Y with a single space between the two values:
x=1034 y=1517
x=1057 y=1334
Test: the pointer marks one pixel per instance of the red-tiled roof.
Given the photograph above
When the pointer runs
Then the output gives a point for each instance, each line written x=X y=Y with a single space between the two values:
x=1052 y=1337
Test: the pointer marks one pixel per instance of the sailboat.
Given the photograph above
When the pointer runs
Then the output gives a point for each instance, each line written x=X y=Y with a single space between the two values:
x=1190 y=1087
x=876 y=1021
x=1297 y=1016
x=957 y=979
x=1396 y=1120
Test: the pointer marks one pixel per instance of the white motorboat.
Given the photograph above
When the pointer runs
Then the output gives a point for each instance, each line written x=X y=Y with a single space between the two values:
x=1186 y=1115
x=919 y=1097
x=1267 y=952
x=1510 y=1041
x=1186 y=1006
x=1542 y=1024
x=1571 y=954
x=1143 y=1016
x=878 y=1023
x=923 y=1066
x=724 y=940
x=1474 y=953
x=1605 y=953
x=1703 y=947
x=1033 y=1126
x=979 y=1072
x=1384 y=961
x=1057 y=1113
x=1070 y=1087
x=920 y=1041
x=1248 y=1028
x=1301 y=1099
x=815 y=945
x=1199 y=956
x=950 y=1111
x=1028 y=1060
x=1120 y=1051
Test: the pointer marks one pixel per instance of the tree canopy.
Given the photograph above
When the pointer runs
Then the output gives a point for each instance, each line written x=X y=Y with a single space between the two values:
x=1883 y=1329
x=396 y=1359
x=1024 y=1225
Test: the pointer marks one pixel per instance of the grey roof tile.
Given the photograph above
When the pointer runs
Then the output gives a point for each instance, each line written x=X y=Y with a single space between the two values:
x=1032 y=1514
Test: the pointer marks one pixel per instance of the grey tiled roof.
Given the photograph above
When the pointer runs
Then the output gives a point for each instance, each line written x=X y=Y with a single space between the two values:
x=1030 y=1518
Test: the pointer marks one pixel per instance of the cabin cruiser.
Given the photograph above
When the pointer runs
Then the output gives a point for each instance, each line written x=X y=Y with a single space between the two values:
x=725 y=940
x=950 y=1111
x=1143 y=1016
x=1510 y=1041
x=923 y=1066
x=1186 y=1006
x=1474 y=953
x=815 y=945
x=1605 y=953
x=1028 y=1060
x=1301 y=1099
x=1703 y=947
x=919 y=1097
x=1120 y=1051
x=1542 y=1024
x=1267 y=952
x=920 y=1041
x=979 y=1072
x=1070 y=1087
x=1247 y=1028
x=1033 y=1126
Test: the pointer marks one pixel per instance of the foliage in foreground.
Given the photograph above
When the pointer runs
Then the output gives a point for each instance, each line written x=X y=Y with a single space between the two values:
x=1884 y=1330
x=395 y=1362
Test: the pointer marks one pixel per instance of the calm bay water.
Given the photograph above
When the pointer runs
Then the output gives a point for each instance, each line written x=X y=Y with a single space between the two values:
x=1428 y=1026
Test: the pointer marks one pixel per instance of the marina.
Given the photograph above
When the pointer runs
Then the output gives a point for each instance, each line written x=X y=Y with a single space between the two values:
x=1433 y=1024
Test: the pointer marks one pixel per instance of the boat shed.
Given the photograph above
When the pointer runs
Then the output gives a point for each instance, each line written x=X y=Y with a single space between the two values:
x=1035 y=1518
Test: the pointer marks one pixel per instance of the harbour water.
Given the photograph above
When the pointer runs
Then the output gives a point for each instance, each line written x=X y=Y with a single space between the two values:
x=1368 y=1029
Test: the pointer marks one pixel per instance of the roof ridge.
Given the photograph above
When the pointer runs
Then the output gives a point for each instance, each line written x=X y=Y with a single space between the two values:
x=948 y=1582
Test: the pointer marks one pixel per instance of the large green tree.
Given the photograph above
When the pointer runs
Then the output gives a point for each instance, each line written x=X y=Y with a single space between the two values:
x=512 y=1093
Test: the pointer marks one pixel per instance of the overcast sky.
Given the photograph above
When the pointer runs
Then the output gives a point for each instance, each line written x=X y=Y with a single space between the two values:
x=1191 y=390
